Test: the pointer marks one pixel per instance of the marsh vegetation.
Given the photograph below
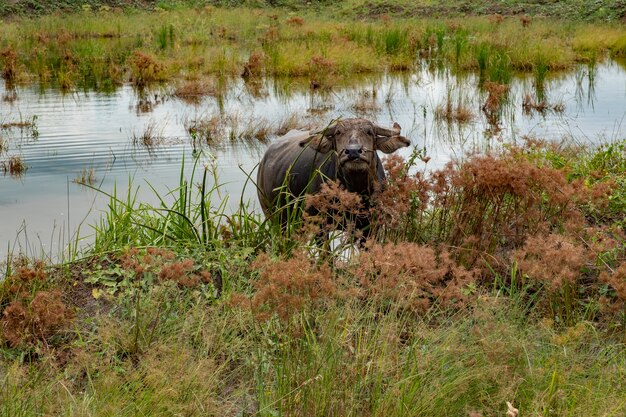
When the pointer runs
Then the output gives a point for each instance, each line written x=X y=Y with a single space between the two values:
x=101 y=50
x=494 y=272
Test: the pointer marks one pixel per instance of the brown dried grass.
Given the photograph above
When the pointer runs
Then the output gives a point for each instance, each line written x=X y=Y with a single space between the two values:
x=451 y=113
x=555 y=261
x=496 y=94
x=255 y=65
x=193 y=91
x=14 y=166
x=295 y=21
x=410 y=276
x=34 y=311
x=288 y=287
x=145 y=69
x=9 y=57
x=29 y=324
x=530 y=105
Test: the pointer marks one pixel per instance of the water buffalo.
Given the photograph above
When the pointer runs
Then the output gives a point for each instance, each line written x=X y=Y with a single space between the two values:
x=345 y=151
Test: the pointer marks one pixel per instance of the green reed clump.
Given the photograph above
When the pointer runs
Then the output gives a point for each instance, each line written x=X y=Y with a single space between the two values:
x=619 y=48
x=187 y=215
x=482 y=59
x=394 y=41
x=499 y=68
x=460 y=40
x=165 y=36
x=540 y=71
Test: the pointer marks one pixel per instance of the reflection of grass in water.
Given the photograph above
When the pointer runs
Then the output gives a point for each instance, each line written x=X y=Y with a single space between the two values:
x=14 y=166
x=28 y=126
x=87 y=176
x=540 y=71
x=530 y=105
x=227 y=129
x=192 y=91
x=366 y=103
x=223 y=130
x=149 y=138
x=453 y=112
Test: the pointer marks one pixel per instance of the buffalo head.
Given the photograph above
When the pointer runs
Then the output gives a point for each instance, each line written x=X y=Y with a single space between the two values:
x=355 y=142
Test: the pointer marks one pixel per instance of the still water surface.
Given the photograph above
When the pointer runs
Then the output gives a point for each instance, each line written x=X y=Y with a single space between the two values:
x=83 y=131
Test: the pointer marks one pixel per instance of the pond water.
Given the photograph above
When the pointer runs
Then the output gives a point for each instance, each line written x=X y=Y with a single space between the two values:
x=103 y=133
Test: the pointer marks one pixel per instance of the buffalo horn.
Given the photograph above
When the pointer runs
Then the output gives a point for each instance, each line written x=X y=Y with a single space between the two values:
x=382 y=131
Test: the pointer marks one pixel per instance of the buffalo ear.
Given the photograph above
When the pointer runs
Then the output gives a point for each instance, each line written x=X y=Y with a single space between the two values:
x=319 y=142
x=391 y=144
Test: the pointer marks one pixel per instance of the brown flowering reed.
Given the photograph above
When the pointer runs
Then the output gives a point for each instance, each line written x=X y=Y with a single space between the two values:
x=9 y=58
x=33 y=310
x=411 y=277
x=23 y=281
x=614 y=301
x=332 y=208
x=554 y=264
x=145 y=69
x=27 y=324
x=491 y=203
x=398 y=210
x=255 y=65
x=496 y=95
x=321 y=71
x=288 y=287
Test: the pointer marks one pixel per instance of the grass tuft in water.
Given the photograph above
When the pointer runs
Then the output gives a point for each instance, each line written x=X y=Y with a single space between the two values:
x=14 y=166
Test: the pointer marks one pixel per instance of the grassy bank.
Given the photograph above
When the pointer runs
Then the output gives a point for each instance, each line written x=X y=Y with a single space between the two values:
x=612 y=10
x=500 y=278
x=100 y=49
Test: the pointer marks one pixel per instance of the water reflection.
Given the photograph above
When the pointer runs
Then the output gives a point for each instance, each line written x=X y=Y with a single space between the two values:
x=145 y=135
